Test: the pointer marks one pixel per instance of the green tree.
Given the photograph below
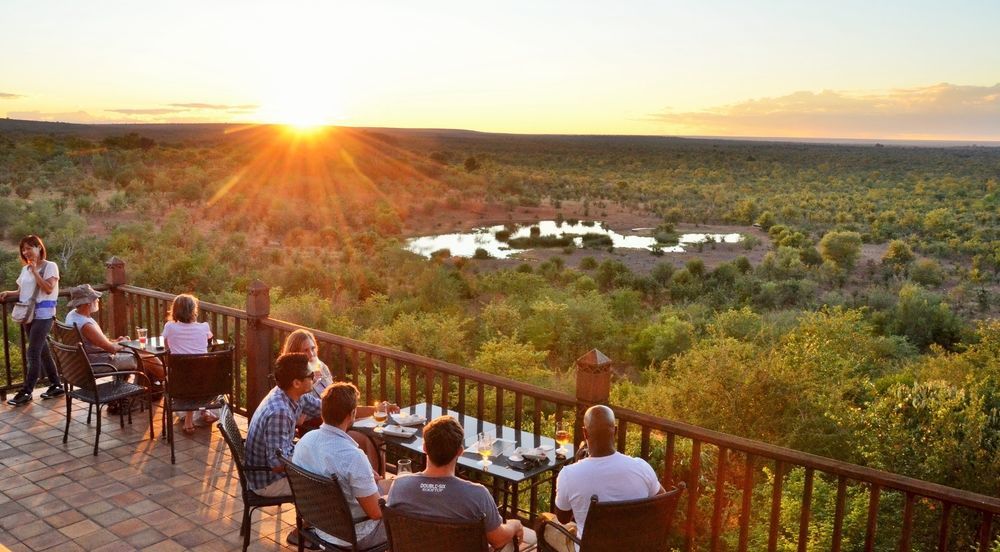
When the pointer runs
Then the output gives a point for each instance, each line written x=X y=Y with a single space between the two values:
x=898 y=256
x=843 y=248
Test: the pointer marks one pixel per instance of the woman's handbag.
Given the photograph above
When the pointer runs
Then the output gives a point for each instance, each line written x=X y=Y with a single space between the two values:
x=24 y=313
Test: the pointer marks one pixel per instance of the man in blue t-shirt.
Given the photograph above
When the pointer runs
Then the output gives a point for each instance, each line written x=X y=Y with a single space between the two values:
x=438 y=493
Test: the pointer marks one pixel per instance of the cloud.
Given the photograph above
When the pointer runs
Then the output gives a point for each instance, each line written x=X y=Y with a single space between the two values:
x=64 y=117
x=221 y=107
x=941 y=111
x=149 y=111
x=9 y=96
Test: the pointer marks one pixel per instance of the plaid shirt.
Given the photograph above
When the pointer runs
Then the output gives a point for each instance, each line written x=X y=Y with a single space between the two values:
x=272 y=429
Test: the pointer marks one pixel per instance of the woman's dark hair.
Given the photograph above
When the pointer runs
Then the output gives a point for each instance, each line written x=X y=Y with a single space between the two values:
x=184 y=309
x=31 y=240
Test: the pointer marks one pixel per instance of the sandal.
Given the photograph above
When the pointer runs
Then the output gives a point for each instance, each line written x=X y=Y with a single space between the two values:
x=189 y=430
x=209 y=419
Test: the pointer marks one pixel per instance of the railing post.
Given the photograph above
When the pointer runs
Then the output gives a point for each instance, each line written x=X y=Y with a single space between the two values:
x=115 y=277
x=259 y=337
x=593 y=386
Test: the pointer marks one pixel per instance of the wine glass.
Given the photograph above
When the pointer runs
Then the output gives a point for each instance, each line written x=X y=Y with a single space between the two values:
x=563 y=438
x=381 y=414
x=484 y=446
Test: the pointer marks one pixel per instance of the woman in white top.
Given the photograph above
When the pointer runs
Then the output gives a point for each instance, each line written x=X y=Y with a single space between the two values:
x=41 y=275
x=184 y=335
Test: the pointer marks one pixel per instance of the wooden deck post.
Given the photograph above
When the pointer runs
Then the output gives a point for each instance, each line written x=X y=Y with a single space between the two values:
x=593 y=386
x=115 y=276
x=259 y=337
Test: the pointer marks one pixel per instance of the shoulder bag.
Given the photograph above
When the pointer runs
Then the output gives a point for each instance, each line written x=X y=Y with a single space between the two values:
x=24 y=313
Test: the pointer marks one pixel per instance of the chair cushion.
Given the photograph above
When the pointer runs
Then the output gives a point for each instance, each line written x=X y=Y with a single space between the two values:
x=110 y=391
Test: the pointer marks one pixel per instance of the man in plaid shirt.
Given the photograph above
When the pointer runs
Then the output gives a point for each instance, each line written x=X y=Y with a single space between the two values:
x=272 y=426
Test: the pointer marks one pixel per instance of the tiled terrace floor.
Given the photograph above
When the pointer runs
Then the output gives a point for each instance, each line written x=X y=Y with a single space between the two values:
x=59 y=497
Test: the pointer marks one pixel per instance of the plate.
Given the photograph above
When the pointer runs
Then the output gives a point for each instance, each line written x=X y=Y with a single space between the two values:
x=408 y=419
x=398 y=431
x=536 y=453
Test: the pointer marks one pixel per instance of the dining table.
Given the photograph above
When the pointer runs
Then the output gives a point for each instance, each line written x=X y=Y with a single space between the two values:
x=505 y=477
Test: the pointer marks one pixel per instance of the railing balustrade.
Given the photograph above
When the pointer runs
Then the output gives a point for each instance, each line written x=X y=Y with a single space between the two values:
x=741 y=494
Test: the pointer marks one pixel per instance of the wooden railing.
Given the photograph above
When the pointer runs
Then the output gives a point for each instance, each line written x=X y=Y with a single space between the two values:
x=741 y=494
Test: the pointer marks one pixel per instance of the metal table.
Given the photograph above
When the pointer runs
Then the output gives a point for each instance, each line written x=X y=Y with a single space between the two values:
x=506 y=480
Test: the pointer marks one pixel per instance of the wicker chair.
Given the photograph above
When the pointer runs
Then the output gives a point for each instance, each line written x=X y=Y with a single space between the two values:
x=71 y=335
x=251 y=500
x=320 y=502
x=194 y=382
x=642 y=524
x=77 y=373
x=410 y=533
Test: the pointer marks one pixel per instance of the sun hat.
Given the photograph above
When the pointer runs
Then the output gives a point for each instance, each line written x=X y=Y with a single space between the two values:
x=82 y=295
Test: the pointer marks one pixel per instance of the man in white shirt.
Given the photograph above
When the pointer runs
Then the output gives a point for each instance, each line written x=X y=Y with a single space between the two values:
x=330 y=450
x=607 y=473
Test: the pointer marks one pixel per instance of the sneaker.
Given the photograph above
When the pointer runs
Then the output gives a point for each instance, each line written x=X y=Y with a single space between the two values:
x=20 y=398
x=53 y=391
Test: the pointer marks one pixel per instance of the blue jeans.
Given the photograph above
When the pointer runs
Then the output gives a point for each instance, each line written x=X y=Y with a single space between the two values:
x=39 y=356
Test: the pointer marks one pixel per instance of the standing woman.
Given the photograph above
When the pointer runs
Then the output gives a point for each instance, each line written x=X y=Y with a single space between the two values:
x=41 y=276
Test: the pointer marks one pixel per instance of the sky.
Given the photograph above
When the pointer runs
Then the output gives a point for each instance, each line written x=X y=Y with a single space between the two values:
x=850 y=69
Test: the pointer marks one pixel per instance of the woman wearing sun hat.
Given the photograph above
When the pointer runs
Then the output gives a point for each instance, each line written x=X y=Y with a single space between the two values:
x=84 y=302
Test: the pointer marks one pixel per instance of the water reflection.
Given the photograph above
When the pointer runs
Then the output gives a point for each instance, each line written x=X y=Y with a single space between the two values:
x=464 y=244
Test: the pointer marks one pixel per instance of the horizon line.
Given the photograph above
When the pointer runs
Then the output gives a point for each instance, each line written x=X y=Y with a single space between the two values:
x=832 y=140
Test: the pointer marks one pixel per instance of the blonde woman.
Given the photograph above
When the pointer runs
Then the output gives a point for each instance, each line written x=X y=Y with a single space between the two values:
x=184 y=335
x=303 y=341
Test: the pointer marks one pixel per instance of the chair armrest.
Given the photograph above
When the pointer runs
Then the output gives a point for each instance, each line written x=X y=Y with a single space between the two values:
x=561 y=529
x=257 y=468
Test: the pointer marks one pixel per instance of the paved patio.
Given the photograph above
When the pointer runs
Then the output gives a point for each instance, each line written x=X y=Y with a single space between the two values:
x=59 y=497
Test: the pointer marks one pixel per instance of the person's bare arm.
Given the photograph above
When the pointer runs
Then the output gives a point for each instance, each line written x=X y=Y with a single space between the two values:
x=46 y=285
x=370 y=505
x=503 y=534
x=93 y=334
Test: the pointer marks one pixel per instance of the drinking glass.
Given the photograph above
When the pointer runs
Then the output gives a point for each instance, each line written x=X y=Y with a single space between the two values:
x=380 y=415
x=404 y=465
x=484 y=446
x=141 y=336
x=563 y=438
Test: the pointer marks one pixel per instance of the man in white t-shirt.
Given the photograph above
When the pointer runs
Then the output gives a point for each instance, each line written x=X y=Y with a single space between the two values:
x=607 y=473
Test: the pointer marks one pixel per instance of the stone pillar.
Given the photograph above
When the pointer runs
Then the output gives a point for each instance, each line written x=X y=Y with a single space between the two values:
x=259 y=338
x=593 y=386
x=115 y=277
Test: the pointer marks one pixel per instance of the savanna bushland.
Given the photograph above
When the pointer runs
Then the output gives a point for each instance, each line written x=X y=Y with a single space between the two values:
x=866 y=332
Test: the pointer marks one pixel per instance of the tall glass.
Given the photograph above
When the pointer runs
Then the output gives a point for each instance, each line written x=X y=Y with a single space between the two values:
x=563 y=438
x=484 y=446
x=381 y=415
x=404 y=465
x=141 y=334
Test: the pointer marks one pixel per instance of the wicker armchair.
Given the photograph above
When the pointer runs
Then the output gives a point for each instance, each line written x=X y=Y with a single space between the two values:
x=251 y=500
x=194 y=382
x=642 y=524
x=410 y=533
x=320 y=502
x=77 y=372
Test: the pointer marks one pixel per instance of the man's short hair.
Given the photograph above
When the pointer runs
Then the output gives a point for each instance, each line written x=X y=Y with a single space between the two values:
x=443 y=438
x=339 y=400
x=290 y=367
